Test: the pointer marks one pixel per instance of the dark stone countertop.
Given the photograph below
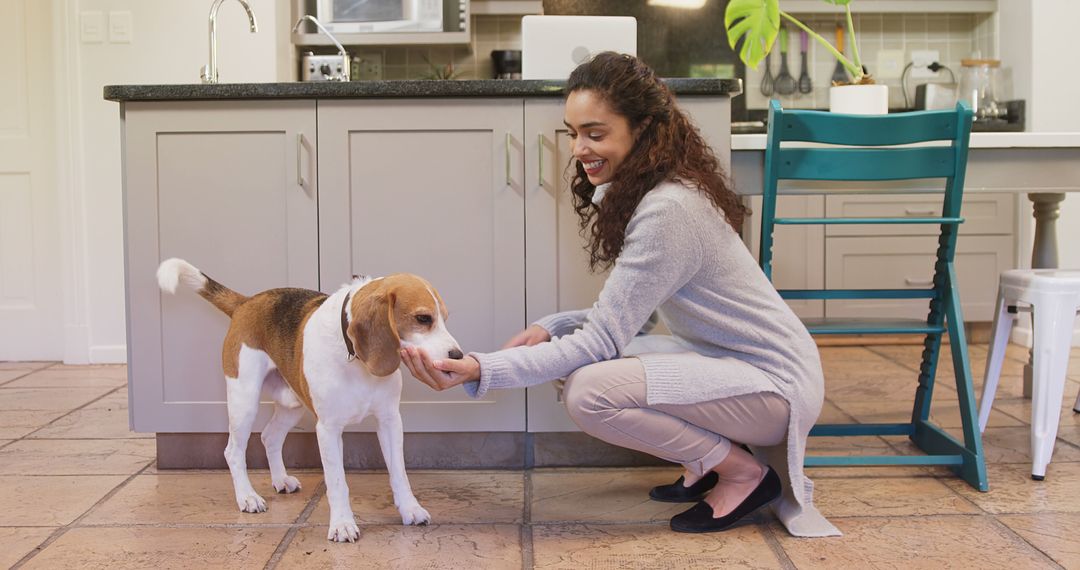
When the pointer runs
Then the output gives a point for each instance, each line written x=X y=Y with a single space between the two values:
x=411 y=88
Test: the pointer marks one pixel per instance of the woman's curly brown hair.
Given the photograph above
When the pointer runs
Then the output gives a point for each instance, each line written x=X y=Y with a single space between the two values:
x=668 y=147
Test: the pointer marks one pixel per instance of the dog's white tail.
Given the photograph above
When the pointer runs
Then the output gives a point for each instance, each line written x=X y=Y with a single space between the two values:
x=173 y=271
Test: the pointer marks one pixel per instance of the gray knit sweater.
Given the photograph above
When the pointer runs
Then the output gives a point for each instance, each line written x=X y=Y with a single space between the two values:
x=683 y=260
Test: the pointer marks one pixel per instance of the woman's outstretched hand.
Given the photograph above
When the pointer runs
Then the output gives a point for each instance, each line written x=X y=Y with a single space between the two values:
x=439 y=374
x=535 y=334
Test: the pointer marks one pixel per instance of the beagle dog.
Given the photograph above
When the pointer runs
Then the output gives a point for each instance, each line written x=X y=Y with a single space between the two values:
x=336 y=355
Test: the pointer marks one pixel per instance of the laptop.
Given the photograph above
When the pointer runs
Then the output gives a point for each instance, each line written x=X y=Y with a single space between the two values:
x=552 y=46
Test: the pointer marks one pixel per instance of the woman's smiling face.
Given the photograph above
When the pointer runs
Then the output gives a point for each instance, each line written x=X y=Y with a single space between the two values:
x=600 y=138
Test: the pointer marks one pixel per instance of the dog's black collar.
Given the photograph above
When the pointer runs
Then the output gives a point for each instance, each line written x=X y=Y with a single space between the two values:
x=345 y=327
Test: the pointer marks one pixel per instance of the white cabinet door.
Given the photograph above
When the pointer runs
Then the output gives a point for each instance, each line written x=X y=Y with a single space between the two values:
x=433 y=188
x=557 y=265
x=215 y=183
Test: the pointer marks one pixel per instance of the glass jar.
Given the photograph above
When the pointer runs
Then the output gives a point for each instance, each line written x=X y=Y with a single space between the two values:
x=979 y=87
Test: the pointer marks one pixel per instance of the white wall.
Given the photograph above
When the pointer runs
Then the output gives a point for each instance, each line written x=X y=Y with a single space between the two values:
x=169 y=45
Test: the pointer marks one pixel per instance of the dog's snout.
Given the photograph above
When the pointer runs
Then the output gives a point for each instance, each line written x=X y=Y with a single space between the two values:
x=455 y=354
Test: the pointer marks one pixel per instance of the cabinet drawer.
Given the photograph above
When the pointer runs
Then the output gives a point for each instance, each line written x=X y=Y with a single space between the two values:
x=984 y=214
x=907 y=263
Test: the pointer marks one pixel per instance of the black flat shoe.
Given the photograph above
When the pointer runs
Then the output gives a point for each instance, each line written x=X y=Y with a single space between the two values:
x=679 y=493
x=699 y=518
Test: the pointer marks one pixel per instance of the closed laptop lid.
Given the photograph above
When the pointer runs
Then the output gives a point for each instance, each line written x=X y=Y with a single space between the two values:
x=552 y=46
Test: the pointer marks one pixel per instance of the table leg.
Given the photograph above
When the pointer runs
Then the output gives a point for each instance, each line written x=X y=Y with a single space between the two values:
x=1044 y=254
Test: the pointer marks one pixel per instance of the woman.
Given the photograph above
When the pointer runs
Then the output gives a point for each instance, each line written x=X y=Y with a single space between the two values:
x=739 y=365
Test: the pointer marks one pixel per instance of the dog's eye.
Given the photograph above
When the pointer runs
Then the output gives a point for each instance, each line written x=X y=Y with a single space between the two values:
x=423 y=319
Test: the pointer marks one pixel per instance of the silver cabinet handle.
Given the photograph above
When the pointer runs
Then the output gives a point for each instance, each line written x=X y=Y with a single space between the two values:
x=540 y=169
x=922 y=282
x=927 y=212
x=508 y=181
x=299 y=160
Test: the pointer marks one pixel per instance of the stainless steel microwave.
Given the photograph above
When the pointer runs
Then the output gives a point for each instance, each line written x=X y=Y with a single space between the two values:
x=379 y=16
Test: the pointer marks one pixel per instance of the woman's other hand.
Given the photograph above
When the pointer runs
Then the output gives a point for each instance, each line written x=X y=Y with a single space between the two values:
x=439 y=374
x=535 y=334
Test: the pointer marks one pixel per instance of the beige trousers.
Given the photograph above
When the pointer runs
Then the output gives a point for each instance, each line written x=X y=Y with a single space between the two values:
x=608 y=401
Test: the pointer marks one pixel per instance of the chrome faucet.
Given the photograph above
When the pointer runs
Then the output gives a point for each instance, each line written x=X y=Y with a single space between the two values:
x=346 y=63
x=209 y=72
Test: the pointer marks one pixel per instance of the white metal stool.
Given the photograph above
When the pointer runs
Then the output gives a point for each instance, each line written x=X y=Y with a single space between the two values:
x=1053 y=296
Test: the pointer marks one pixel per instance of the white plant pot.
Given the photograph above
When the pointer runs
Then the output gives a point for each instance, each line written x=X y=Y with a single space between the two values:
x=859 y=99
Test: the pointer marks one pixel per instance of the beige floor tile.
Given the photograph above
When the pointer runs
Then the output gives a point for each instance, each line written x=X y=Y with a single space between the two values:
x=50 y=501
x=160 y=548
x=910 y=356
x=937 y=542
x=18 y=542
x=1013 y=445
x=204 y=498
x=1020 y=408
x=857 y=381
x=1013 y=491
x=648 y=546
x=24 y=365
x=471 y=547
x=608 y=495
x=450 y=497
x=1054 y=534
x=7 y=376
x=18 y=423
x=77 y=457
x=944 y=411
x=888 y=497
x=833 y=414
x=857 y=445
x=106 y=418
x=49 y=399
x=72 y=378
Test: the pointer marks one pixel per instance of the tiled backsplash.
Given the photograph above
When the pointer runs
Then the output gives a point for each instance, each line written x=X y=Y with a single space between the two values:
x=953 y=36
x=470 y=62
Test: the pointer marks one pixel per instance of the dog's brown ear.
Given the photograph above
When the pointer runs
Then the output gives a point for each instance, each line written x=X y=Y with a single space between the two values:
x=374 y=332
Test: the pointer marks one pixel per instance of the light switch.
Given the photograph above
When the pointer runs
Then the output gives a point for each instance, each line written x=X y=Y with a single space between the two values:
x=92 y=27
x=120 y=27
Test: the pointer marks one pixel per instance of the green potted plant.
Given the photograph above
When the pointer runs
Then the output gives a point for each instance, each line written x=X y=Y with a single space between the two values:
x=757 y=23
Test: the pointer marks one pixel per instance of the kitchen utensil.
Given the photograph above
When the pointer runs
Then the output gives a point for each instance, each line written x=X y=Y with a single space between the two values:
x=767 y=81
x=839 y=74
x=805 y=85
x=785 y=83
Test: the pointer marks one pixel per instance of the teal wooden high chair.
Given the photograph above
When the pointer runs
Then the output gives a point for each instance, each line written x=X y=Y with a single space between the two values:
x=873 y=158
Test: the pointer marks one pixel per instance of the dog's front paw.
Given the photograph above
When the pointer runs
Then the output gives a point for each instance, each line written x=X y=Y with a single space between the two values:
x=251 y=503
x=414 y=514
x=287 y=484
x=343 y=531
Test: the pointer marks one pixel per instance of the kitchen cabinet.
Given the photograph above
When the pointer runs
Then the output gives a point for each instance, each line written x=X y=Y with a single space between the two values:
x=436 y=189
x=468 y=192
x=231 y=187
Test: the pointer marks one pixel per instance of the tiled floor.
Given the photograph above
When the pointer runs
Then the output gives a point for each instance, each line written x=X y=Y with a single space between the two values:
x=77 y=490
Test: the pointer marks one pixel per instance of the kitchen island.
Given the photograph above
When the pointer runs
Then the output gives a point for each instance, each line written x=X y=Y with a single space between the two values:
x=306 y=184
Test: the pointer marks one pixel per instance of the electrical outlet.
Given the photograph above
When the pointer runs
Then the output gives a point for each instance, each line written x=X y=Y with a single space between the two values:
x=370 y=65
x=919 y=60
x=890 y=64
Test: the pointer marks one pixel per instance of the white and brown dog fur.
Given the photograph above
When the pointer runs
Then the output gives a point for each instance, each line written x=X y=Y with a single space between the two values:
x=294 y=346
